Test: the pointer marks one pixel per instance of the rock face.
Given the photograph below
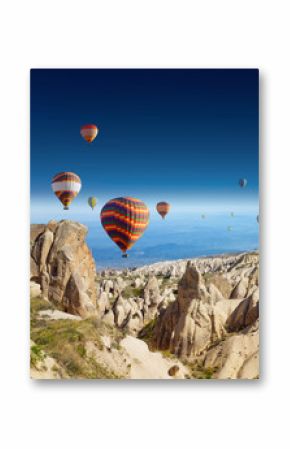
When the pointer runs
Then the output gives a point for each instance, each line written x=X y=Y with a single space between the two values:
x=198 y=325
x=237 y=357
x=190 y=324
x=64 y=267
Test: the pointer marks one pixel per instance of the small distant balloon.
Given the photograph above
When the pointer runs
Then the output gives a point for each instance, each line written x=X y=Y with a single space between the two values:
x=230 y=228
x=66 y=185
x=163 y=208
x=203 y=216
x=258 y=218
x=89 y=132
x=232 y=214
x=243 y=182
x=92 y=202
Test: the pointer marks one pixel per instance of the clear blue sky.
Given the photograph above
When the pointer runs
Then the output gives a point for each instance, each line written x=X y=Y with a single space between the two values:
x=185 y=136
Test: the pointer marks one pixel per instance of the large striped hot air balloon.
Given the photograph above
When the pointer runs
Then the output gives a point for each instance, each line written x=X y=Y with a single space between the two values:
x=89 y=132
x=92 y=202
x=66 y=185
x=125 y=220
x=163 y=208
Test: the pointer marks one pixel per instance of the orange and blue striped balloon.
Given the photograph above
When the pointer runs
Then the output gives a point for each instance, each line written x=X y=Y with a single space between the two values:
x=125 y=220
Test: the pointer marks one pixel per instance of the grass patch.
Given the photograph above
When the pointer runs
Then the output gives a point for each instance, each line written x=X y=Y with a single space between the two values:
x=132 y=292
x=147 y=332
x=36 y=356
x=197 y=371
x=65 y=340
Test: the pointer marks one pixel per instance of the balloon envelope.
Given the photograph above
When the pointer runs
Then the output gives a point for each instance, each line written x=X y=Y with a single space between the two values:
x=89 y=132
x=92 y=202
x=66 y=185
x=163 y=208
x=125 y=220
x=243 y=182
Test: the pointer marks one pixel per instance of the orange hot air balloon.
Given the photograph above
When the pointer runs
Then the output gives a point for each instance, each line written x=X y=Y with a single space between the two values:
x=163 y=208
x=125 y=220
x=89 y=132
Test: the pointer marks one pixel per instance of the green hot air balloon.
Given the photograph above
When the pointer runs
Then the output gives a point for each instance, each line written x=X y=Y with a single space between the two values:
x=92 y=202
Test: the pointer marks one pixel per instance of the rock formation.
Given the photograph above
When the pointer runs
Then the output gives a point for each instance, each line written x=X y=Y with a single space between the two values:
x=204 y=312
x=64 y=267
x=198 y=324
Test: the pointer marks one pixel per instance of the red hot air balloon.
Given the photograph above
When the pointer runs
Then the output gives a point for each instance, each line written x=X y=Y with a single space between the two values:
x=163 y=208
x=66 y=185
x=125 y=220
x=89 y=132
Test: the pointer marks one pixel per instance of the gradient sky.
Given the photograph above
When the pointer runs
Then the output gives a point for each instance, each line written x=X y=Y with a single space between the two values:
x=185 y=136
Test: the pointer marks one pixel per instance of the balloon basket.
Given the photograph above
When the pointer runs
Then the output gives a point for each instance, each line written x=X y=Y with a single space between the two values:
x=66 y=208
x=125 y=255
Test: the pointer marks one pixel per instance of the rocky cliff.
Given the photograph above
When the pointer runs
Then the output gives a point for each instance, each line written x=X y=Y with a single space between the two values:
x=63 y=266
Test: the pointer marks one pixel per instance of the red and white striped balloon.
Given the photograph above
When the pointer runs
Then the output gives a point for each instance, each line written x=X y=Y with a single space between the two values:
x=89 y=132
x=66 y=185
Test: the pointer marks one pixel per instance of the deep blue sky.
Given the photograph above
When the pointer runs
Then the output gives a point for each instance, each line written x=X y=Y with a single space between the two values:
x=176 y=135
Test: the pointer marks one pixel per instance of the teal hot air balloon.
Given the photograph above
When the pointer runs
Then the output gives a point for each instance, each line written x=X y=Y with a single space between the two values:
x=92 y=202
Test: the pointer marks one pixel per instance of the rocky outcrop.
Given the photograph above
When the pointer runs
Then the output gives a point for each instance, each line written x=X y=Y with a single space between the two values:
x=200 y=318
x=237 y=357
x=64 y=267
x=246 y=314
x=151 y=298
x=191 y=323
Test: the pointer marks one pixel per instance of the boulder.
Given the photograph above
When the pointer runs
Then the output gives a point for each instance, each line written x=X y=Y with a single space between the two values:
x=64 y=266
x=35 y=290
x=237 y=357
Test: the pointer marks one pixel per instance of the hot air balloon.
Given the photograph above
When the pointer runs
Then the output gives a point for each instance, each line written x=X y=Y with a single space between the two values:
x=163 y=208
x=232 y=214
x=229 y=228
x=258 y=218
x=125 y=220
x=89 y=132
x=66 y=185
x=243 y=182
x=203 y=216
x=92 y=202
